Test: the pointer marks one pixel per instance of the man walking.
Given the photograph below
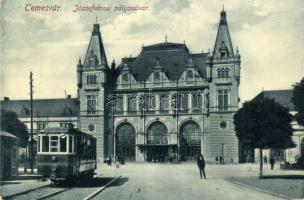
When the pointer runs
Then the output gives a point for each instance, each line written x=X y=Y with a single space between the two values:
x=201 y=165
x=271 y=161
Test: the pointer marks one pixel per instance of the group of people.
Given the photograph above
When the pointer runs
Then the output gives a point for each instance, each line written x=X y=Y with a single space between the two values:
x=109 y=161
x=271 y=161
x=219 y=160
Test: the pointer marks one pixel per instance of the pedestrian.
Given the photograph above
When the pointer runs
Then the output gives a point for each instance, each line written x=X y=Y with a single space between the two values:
x=201 y=165
x=107 y=161
x=271 y=161
x=221 y=159
x=231 y=160
x=116 y=162
x=265 y=159
x=110 y=161
x=216 y=159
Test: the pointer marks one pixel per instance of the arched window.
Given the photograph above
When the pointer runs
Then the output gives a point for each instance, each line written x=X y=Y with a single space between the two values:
x=125 y=78
x=156 y=76
x=219 y=73
x=125 y=141
x=88 y=79
x=190 y=133
x=226 y=73
x=157 y=133
x=91 y=79
x=190 y=74
x=190 y=140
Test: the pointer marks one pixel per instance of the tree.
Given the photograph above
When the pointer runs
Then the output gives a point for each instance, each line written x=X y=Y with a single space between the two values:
x=11 y=124
x=262 y=123
x=298 y=101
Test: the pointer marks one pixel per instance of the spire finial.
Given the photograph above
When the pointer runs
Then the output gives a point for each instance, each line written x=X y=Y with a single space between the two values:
x=79 y=60
x=166 y=38
x=96 y=19
x=223 y=7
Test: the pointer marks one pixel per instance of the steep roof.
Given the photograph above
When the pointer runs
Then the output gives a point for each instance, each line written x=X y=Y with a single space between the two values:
x=223 y=40
x=283 y=97
x=68 y=107
x=95 y=49
x=173 y=58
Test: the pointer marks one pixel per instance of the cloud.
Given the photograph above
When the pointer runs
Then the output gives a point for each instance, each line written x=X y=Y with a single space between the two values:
x=268 y=34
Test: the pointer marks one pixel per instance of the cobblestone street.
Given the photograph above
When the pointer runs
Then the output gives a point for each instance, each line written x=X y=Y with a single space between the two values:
x=165 y=181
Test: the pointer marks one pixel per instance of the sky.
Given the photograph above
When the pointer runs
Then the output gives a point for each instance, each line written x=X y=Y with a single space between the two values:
x=268 y=33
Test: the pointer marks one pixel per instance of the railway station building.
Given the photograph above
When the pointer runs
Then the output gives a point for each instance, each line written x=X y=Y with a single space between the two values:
x=166 y=101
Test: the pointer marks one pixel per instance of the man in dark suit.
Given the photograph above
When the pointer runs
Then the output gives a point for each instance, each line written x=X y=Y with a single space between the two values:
x=201 y=165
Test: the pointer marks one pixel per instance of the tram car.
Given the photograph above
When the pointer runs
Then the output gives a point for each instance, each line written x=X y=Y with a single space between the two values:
x=65 y=154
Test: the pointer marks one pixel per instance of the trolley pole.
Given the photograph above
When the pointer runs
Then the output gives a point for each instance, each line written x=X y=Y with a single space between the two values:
x=32 y=139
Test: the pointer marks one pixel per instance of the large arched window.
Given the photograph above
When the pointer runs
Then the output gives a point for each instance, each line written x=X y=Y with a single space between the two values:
x=190 y=140
x=190 y=133
x=157 y=133
x=125 y=141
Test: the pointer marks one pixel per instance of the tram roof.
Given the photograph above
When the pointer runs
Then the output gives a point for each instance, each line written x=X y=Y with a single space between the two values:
x=59 y=130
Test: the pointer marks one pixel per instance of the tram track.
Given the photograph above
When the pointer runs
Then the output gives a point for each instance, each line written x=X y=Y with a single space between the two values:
x=54 y=192
x=38 y=193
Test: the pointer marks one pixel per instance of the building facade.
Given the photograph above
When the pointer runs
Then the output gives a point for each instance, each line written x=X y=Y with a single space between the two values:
x=284 y=97
x=166 y=101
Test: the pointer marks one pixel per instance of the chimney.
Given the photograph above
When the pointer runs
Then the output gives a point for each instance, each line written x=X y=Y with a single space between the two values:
x=6 y=98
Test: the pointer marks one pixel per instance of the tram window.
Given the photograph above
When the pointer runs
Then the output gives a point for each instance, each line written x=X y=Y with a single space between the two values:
x=70 y=144
x=63 y=143
x=75 y=143
x=45 y=143
x=54 y=143
x=38 y=143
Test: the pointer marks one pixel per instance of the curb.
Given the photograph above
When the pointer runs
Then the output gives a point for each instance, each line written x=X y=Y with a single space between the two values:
x=24 y=192
x=100 y=189
x=257 y=189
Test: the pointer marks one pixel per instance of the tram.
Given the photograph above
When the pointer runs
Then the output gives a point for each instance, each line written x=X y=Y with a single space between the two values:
x=65 y=154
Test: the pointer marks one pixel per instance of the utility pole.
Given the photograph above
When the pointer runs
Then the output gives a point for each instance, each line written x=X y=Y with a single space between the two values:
x=32 y=139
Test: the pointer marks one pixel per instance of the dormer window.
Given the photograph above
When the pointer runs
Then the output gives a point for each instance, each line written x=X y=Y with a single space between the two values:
x=223 y=50
x=190 y=75
x=156 y=76
x=223 y=54
x=93 y=61
x=125 y=78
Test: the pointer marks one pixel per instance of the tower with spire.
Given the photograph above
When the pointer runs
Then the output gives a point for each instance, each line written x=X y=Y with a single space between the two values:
x=91 y=79
x=224 y=65
x=195 y=96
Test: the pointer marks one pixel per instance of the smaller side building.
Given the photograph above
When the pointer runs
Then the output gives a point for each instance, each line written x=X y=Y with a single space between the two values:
x=284 y=97
x=8 y=155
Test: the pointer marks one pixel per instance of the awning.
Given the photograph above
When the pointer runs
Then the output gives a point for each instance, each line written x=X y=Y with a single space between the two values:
x=6 y=134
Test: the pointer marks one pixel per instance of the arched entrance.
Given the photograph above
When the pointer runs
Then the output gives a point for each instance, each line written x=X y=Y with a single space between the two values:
x=125 y=142
x=157 y=141
x=189 y=140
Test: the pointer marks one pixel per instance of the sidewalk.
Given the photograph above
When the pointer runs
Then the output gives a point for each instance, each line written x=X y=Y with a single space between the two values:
x=20 y=184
